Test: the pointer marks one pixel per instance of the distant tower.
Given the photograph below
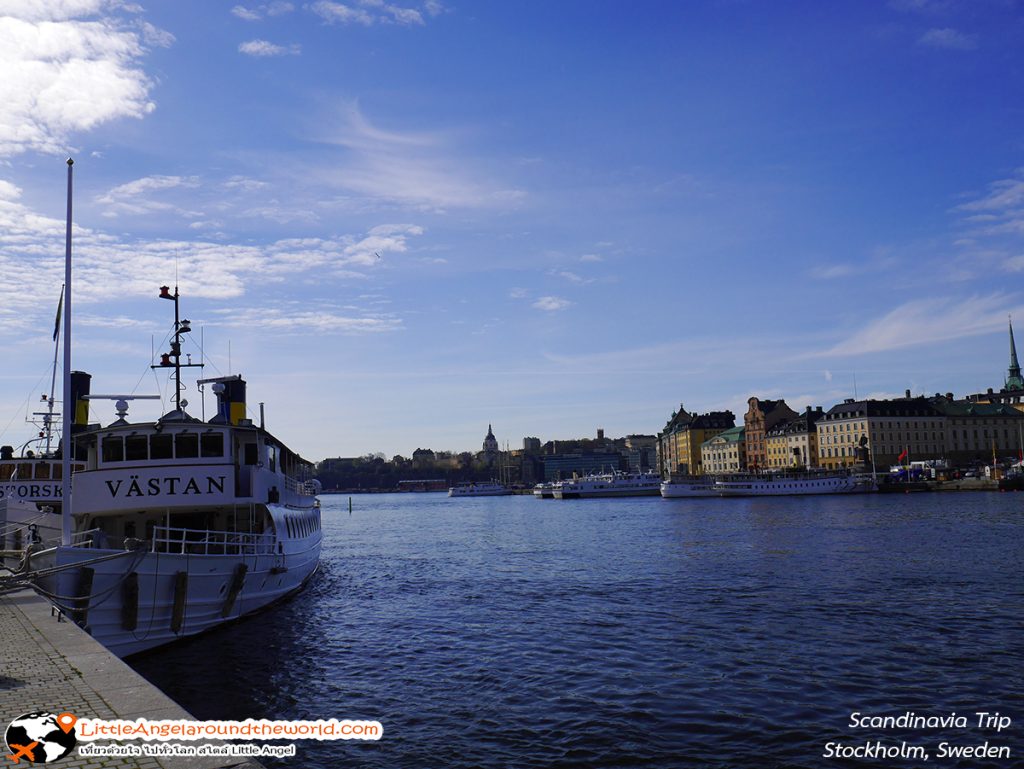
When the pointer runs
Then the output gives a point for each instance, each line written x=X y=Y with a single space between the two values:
x=489 y=445
x=1013 y=378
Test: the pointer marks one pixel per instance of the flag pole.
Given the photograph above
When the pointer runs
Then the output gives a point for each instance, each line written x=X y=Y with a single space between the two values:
x=67 y=448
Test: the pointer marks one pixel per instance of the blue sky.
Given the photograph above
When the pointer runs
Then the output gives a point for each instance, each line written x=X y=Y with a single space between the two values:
x=408 y=220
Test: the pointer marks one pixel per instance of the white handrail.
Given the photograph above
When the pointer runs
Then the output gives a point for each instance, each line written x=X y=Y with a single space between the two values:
x=210 y=542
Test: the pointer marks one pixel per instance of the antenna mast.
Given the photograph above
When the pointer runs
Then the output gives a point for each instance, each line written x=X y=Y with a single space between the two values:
x=173 y=358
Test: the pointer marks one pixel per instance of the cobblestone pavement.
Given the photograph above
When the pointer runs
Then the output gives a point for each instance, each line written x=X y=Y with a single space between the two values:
x=46 y=665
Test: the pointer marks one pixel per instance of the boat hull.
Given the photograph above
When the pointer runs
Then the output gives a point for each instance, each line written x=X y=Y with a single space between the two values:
x=175 y=595
x=604 y=493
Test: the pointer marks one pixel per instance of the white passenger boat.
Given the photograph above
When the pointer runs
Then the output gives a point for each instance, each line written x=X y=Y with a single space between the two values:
x=486 y=489
x=697 y=486
x=610 y=485
x=180 y=525
x=788 y=484
x=544 y=490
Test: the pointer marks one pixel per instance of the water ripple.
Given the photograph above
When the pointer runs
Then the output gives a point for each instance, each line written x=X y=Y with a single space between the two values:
x=631 y=633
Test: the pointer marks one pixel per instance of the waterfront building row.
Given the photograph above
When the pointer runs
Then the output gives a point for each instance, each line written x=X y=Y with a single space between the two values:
x=869 y=432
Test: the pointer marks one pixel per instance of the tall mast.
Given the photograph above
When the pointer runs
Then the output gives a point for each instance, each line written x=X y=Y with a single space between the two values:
x=66 y=448
x=173 y=358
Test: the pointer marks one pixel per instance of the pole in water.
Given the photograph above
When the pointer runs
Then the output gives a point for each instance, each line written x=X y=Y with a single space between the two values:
x=350 y=505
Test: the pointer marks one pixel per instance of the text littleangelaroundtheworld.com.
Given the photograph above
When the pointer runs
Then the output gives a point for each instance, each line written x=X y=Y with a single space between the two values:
x=250 y=729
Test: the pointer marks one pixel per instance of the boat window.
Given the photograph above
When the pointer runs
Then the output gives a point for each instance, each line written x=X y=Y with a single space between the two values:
x=136 y=448
x=186 y=446
x=113 y=448
x=212 y=444
x=251 y=454
x=42 y=471
x=57 y=471
x=272 y=457
x=6 y=471
x=161 y=446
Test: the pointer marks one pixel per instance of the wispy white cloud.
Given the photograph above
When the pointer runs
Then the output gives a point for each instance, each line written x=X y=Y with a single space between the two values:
x=244 y=184
x=831 y=271
x=279 y=8
x=257 y=13
x=993 y=226
x=929 y=321
x=949 y=39
x=53 y=52
x=551 y=303
x=155 y=36
x=136 y=197
x=247 y=14
x=291 y=320
x=572 y=277
x=108 y=265
x=372 y=12
x=264 y=48
x=1004 y=195
x=426 y=171
x=591 y=258
x=339 y=13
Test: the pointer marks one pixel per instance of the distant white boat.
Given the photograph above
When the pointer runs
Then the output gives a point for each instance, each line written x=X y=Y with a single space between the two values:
x=789 y=484
x=700 y=486
x=544 y=491
x=610 y=485
x=487 y=489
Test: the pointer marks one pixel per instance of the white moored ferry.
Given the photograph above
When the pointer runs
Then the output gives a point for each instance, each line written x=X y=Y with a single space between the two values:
x=180 y=525
x=609 y=485
x=699 y=486
x=486 y=489
x=786 y=484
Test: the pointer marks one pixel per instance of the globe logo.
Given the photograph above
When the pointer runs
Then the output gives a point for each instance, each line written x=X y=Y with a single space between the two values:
x=40 y=737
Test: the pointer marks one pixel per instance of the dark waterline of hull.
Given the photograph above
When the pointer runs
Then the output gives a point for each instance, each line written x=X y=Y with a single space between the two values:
x=503 y=631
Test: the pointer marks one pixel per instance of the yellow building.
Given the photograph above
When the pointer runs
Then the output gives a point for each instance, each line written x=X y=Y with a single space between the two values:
x=878 y=431
x=794 y=443
x=679 y=444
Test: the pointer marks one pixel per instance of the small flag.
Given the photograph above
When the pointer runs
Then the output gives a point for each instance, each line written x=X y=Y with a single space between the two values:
x=902 y=456
x=56 y=323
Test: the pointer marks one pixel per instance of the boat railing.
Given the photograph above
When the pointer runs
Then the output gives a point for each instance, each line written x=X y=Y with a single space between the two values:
x=207 y=542
x=87 y=538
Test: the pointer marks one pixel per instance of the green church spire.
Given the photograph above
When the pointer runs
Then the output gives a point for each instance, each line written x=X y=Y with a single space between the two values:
x=1013 y=379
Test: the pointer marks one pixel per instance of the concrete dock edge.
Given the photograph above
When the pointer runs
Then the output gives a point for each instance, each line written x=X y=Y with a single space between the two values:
x=55 y=666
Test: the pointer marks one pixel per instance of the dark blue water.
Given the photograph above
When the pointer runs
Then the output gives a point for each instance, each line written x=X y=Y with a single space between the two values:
x=517 y=632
